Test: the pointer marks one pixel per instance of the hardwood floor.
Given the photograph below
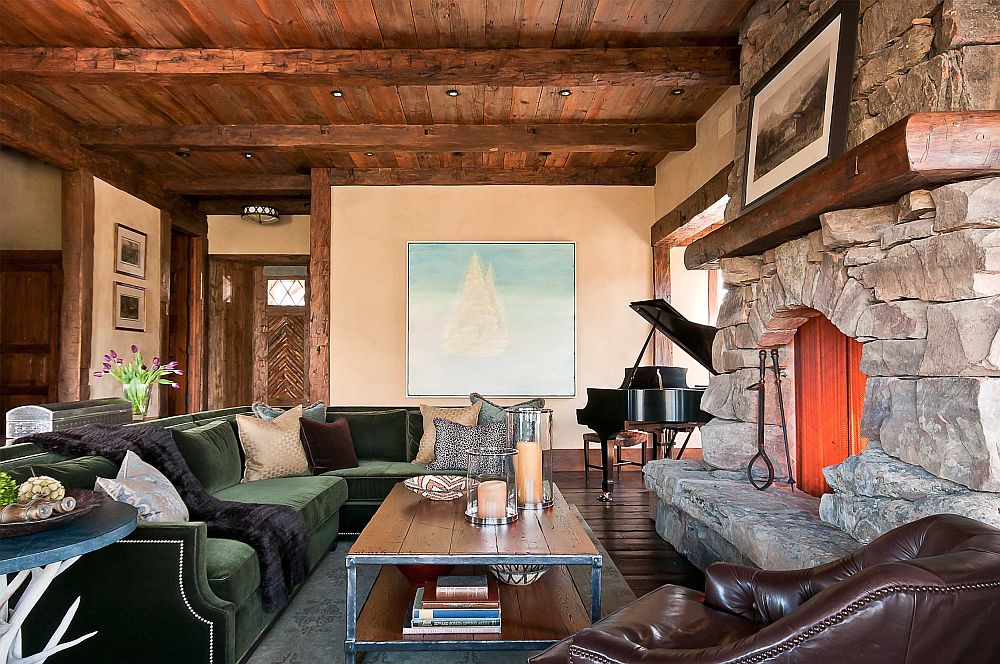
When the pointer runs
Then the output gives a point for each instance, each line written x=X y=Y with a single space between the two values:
x=626 y=531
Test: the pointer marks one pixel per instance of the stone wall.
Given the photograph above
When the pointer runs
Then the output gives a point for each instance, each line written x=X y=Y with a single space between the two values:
x=911 y=55
x=918 y=282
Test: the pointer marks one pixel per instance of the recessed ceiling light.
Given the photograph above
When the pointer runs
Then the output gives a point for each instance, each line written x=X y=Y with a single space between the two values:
x=457 y=154
x=248 y=155
x=565 y=93
x=632 y=153
x=544 y=153
x=452 y=93
x=494 y=149
x=369 y=154
x=183 y=152
x=337 y=93
x=677 y=91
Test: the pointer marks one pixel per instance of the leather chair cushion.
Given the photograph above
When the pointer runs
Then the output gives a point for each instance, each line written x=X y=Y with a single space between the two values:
x=316 y=498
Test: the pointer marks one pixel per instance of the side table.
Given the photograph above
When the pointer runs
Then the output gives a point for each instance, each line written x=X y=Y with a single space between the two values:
x=43 y=556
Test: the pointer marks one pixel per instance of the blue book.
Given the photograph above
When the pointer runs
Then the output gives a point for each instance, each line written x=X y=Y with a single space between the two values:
x=466 y=615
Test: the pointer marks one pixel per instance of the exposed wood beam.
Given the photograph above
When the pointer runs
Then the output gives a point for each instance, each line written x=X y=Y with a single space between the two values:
x=667 y=65
x=688 y=221
x=78 y=285
x=320 y=236
x=920 y=150
x=249 y=184
x=298 y=205
x=569 y=175
x=30 y=126
x=590 y=137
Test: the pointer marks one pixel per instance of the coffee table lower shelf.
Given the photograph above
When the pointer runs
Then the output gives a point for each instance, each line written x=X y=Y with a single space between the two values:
x=533 y=617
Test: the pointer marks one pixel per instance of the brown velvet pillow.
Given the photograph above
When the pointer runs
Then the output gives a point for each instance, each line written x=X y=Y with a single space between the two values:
x=328 y=445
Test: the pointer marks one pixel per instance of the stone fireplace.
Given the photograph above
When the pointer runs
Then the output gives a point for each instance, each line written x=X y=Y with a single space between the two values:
x=917 y=282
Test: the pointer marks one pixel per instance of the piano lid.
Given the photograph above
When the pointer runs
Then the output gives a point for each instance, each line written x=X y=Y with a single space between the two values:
x=694 y=338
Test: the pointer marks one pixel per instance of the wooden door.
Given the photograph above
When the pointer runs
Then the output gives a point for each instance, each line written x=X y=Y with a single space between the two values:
x=829 y=398
x=30 y=297
x=280 y=328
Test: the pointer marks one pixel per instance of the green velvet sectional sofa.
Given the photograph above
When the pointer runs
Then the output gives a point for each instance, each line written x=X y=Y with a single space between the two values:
x=169 y=592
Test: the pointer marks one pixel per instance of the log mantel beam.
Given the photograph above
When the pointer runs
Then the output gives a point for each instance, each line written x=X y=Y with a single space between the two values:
x=578 y=137
x=678 y=66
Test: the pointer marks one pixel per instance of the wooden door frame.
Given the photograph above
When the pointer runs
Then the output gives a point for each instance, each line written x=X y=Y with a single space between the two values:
x=259 y=387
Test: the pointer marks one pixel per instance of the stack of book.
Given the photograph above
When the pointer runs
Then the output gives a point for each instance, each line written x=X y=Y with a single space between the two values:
x=460 y=608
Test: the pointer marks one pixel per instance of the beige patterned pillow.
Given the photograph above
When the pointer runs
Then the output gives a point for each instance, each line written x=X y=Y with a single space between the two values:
x=272 y=447
x=467 y=416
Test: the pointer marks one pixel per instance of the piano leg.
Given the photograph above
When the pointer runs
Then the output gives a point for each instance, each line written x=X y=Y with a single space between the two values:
x=607 y=484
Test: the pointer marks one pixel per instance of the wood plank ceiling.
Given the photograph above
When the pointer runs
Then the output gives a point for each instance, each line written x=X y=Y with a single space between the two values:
x=108 y=108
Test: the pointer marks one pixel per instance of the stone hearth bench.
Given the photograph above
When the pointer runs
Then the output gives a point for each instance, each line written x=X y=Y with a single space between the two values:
x=712 y=515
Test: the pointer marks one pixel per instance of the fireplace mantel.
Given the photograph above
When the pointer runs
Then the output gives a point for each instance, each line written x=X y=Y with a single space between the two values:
x=920 y=150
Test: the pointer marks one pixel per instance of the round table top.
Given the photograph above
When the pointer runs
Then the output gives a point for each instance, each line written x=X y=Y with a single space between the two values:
x=107 y=524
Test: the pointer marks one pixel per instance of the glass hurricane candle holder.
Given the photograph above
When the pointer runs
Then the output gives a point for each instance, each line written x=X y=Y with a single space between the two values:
x=529 y=432
x=492 y=497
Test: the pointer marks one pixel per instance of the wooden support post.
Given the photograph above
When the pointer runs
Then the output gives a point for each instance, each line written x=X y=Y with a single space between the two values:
x=78 y=285
x=163 y=391
x=197 y=369
x=663 y=350
x=320 y=222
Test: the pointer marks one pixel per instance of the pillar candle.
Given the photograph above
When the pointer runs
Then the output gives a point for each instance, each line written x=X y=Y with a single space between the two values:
x=492 y=499
x=529 y=472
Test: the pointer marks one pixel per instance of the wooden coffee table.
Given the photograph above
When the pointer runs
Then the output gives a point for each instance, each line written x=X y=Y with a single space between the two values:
x=408 y=530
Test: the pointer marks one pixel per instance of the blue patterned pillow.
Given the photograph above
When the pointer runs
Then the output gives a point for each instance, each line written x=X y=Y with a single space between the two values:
x=452 y=441
x=494 y=412
x=145 y=488
x=315 y=411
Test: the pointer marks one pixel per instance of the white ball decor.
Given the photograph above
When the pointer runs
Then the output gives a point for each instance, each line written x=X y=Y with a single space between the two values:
x=41 y=487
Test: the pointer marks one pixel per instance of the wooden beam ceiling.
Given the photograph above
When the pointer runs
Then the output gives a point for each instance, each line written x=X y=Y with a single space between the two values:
x=676 y=66
x=590 y=137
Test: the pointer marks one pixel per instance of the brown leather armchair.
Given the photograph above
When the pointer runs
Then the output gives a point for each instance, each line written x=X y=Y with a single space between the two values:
x=925 y=593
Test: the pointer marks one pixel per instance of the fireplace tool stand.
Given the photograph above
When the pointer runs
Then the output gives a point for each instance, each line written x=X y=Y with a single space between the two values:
x=761 y=455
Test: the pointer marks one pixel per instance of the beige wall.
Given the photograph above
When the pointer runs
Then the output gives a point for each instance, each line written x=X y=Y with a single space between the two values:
x=30 y=203
x=229 y=234
x=112 y=207
x=371 y=226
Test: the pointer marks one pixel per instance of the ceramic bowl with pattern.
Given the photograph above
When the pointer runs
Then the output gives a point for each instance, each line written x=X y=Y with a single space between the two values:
x=518 y=575
x=438 y=487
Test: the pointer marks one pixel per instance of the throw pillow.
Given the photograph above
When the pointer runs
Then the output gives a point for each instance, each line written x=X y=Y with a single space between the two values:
x=328 y=445
x=467 y=415
x=272 y=448
x=453 y=441
x=145 y=488
x=377 y=434
x=212 y=452
x=494 y=412
x=314 y=411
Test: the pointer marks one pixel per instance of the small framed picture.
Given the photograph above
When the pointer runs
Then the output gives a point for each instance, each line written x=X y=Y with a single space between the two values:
x=130 y=251
x=130 y=307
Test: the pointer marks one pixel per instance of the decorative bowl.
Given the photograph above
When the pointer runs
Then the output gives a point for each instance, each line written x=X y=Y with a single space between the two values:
x=518 y=575
x=438 y=487
x=86 y=501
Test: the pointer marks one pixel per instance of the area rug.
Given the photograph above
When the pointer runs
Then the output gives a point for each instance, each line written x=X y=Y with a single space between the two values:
x=311 y=630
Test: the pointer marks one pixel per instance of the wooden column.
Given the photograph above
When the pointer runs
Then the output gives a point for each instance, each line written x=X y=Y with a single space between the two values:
x=78 y=285
x=197 y=369
x=663 y=349
x=166 y=225
x=320 y=222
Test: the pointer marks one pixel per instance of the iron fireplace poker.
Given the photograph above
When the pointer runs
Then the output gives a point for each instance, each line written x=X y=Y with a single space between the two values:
x=760 y=388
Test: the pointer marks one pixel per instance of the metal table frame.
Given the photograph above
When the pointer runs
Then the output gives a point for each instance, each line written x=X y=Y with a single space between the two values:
x=352 y=646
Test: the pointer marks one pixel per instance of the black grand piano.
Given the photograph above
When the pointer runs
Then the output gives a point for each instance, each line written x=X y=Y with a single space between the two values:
x=653 y=394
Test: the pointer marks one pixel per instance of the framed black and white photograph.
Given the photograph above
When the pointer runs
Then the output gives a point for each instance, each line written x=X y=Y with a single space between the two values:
x=130 y=251
x=130 y=307
x=799 y=109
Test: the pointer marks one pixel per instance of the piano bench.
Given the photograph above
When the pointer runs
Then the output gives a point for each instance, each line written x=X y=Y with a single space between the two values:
x=621 y=439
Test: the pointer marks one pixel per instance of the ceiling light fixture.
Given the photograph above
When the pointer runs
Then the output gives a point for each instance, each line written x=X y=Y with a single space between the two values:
x=452 y=92
x=544 y=153
x=632 y=153
x=494 y=149
x=369 y=154
x=337 y=93
x=259 y=214
x=457 y=154
x=183 y=152
x=248 y=155
x=565 y=93
x=677 y=91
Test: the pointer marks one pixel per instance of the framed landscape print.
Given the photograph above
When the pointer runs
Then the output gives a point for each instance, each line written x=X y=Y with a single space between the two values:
x=130 y=307
x=497 y=318
x=798 y=111
x=130 y=251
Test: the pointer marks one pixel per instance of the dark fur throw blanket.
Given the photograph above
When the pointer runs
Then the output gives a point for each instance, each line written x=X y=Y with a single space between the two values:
x=276 y=532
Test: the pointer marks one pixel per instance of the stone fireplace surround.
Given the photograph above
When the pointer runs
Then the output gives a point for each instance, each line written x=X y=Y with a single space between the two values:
x=918 y=282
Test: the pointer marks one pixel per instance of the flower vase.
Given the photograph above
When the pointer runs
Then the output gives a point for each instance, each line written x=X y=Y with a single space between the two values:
x=137 y=394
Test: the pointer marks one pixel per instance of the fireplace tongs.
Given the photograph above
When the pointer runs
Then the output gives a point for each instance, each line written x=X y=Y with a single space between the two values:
x=761 y=455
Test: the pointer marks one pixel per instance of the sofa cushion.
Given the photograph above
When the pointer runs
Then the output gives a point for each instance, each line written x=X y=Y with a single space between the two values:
x=78 y=473
x=273 y=448
x=377 y=434
x=212 y=452
x=233 y=569
x=414 y=432
x=316 y=498
x=373 y=479
x=328 y=445
x=494 y=412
